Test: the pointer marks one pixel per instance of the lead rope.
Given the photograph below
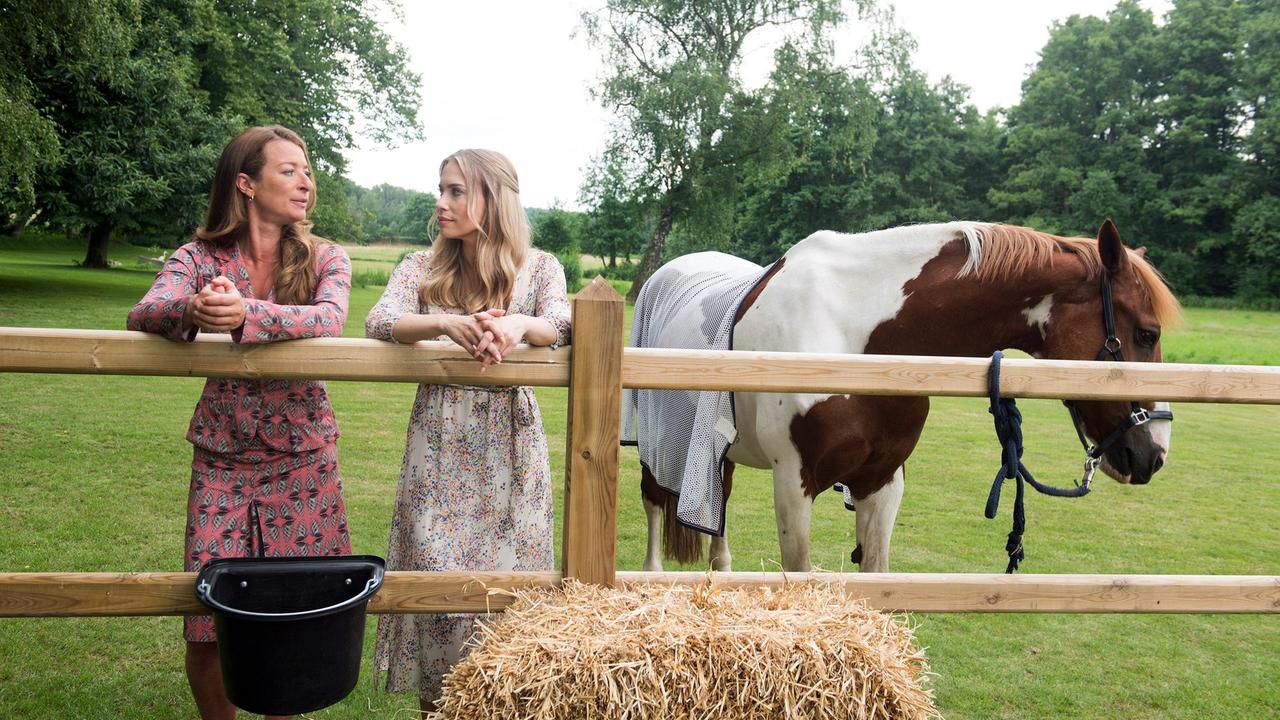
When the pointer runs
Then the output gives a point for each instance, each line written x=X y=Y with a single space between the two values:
x=1008 y=422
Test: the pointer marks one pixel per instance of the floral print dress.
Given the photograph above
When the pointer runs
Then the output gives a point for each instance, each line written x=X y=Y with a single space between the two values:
x=475 y=485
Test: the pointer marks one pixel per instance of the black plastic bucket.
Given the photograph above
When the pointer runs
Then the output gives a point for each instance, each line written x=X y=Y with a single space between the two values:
x=290 y=630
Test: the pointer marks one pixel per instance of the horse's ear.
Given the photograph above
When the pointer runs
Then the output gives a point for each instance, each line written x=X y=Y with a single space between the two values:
x=1114 y=258
x=1141 y=252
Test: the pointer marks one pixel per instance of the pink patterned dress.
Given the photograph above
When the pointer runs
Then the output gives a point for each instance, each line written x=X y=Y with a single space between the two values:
x=475 y=485
x=264 y=477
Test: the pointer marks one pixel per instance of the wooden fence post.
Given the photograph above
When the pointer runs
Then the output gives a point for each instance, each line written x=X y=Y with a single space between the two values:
x=591 y=456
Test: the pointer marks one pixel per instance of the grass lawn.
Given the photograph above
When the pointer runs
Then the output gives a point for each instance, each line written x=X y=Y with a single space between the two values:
x=94 y=477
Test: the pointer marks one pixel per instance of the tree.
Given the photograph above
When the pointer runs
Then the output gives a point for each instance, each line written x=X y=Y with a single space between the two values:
x=386 y=212
x=614 y=229
x=415 y=217
x=556 y=231
x=869 y=150
x=1088 y=104
x=1258 y=69
x=935 y=158
x=318 y=66
x=675 y=87
x=1255 y=228
x=37 y=34
x=1256 y=236
x=1165 y=128
x=139 y=129
x=137 y=144
x=613 y=226
x=820 y=183
x=335 y=217
x=1196 y=143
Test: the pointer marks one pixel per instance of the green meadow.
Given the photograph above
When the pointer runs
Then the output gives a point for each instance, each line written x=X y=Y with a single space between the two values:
x=94 y=472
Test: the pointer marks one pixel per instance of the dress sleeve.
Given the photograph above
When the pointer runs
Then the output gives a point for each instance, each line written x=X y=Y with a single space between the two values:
x=160 y=310
x=266 y=321
x=400 y=297
x=551 y=299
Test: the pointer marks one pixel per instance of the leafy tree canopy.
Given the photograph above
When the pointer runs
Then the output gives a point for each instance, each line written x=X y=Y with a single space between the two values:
x=120 y=107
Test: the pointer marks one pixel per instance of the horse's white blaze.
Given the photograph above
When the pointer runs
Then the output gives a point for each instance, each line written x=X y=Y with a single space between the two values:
x=876 y=513
x=1161 y=431
x=1038 y=315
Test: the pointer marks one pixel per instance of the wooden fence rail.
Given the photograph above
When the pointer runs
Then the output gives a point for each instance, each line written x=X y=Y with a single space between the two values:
x=107 y=352
x=120 y=352
x=112 y=594
x=595 y=371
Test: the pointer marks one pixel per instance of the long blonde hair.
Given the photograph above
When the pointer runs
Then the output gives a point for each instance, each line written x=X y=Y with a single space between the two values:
x=228 y=215
x=502 y=244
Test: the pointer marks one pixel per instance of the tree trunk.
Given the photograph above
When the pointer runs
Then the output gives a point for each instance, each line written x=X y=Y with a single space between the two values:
x=652 y=254
x=99 y=236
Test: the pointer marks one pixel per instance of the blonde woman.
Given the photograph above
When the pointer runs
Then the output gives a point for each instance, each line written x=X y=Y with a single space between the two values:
x=264 y=478
x=475 y=485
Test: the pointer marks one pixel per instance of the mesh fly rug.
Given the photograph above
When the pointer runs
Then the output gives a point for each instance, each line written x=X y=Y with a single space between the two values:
x=683 y=435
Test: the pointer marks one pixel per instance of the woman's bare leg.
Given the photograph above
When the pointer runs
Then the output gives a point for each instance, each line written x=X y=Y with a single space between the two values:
x=204 y=674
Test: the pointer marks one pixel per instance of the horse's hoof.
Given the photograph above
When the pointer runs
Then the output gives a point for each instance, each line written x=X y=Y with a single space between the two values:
x=856 y=556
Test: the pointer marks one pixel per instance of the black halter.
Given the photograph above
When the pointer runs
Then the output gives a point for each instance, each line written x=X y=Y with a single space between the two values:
x=1111 y=347
x=1008 y=422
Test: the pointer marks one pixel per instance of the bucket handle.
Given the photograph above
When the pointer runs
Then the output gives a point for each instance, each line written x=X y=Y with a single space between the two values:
x=203 y=589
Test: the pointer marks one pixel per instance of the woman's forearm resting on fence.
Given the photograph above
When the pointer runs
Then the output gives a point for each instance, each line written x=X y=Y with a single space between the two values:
x=266 y=321
x=167 y=308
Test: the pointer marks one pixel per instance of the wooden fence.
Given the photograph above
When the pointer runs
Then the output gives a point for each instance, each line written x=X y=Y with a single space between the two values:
x=595 y=369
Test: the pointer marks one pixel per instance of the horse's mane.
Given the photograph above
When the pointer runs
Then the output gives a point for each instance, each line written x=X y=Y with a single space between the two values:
x=998 y=252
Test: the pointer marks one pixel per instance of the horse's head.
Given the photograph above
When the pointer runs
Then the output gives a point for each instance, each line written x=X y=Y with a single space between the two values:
x=1085 y=324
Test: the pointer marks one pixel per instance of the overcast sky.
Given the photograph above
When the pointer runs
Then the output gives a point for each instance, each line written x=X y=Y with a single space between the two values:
x=511 y=75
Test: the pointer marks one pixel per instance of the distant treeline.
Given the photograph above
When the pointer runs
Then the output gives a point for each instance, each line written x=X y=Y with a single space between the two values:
x=115 y=110
x=389 y=214
x=382 y=213
x=1166 y=128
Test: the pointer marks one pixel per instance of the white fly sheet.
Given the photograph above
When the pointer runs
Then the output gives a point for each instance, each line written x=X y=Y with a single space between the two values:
x=683 y=435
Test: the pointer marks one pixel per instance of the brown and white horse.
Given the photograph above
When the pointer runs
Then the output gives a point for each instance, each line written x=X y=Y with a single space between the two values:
x=955 y=289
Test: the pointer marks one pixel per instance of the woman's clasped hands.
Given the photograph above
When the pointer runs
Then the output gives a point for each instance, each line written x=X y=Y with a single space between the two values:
x=218 y=307
x=488 y=335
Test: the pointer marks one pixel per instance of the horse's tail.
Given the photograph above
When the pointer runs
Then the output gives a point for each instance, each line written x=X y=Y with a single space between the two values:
x=679 y=543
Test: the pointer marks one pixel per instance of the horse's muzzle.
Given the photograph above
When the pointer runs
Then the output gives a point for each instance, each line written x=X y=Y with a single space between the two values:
x=1135 y=461
x=1138 y=473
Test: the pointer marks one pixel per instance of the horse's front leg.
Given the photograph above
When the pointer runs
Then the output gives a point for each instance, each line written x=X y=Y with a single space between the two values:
x=793 y=510
x=876 y=515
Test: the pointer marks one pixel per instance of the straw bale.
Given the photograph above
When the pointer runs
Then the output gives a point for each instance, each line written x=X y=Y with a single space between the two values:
x=806 y=650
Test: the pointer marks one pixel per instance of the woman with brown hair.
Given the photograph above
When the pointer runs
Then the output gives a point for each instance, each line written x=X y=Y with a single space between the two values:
x=264 y=478
x=475 y=485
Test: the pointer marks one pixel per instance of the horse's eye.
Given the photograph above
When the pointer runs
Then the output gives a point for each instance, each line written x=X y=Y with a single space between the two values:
x=1147 y=338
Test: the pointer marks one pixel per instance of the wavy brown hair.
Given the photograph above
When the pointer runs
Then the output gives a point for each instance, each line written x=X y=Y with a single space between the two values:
x=503 y=238
x=227 y=219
